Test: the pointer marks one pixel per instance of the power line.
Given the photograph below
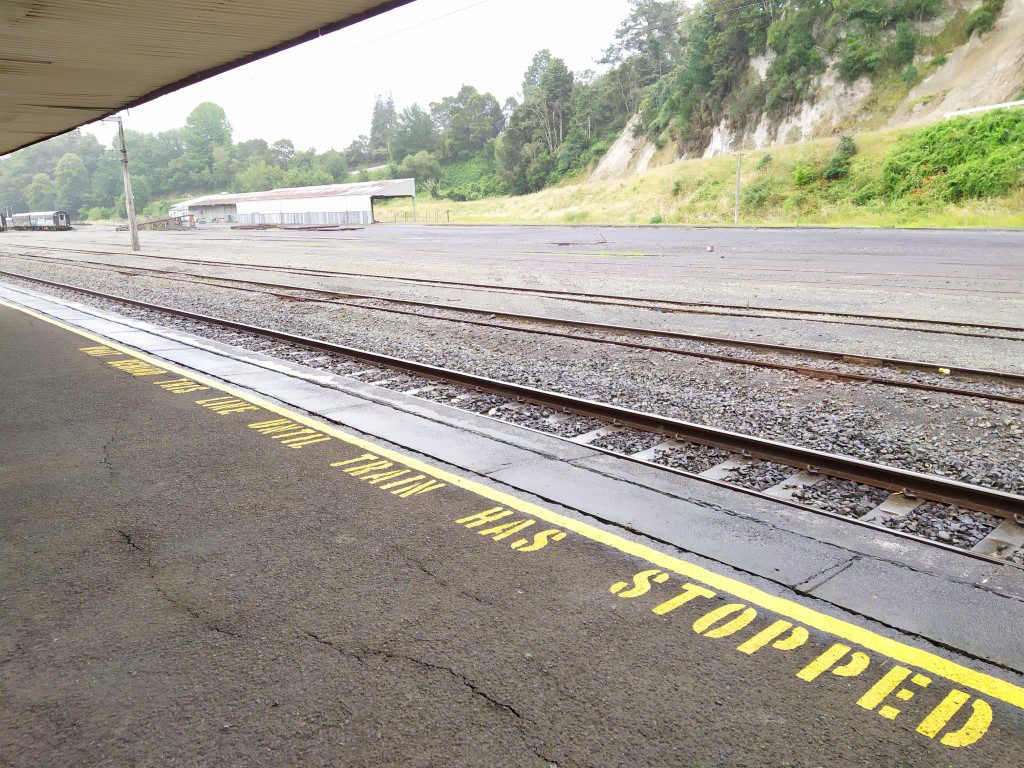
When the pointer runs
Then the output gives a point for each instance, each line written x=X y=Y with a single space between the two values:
x=404 y=29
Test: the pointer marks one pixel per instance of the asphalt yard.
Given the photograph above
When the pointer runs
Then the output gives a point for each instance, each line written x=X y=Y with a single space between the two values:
x=194 y=576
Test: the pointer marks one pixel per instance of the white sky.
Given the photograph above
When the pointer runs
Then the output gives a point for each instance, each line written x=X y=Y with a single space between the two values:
x=320 y=94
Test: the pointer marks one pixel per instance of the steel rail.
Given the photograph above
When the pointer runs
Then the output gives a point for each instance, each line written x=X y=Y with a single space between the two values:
x=637 y=302
x=818 y=373
x=892 y=479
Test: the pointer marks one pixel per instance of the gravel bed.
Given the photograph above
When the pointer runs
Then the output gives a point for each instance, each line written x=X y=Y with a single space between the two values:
x=549 y=420
x=844 y=497
x=442 y=393
x=761 y=475
x=1016 y=557
x=946 y=523
x=692 y=458
x=573 y=426
x=482 y=402
x=629 y=441
x=406 y=382
x=968 y=440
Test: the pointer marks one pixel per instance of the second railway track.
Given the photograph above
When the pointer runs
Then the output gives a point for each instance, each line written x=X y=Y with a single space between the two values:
x=920 y=375
x=926 y=325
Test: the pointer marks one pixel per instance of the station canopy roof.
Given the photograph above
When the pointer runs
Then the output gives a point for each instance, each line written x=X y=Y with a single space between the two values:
x=387 y=188
x=66 y=64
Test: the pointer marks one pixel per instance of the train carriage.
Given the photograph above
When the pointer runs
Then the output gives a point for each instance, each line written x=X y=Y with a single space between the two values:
x=41 y=220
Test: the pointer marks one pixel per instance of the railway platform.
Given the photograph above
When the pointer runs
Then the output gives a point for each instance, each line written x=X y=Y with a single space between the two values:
x=210 y=557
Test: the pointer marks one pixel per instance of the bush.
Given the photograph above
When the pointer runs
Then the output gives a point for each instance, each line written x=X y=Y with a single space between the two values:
x=910 y=76
x=576 y=216
x=764 y=162
x=804 y=174
x=759 y=194
x=838 y=164
x=861 y=55
x=100 y=213
x=984 y=18
x=677 y=188
x=970 y=157
x=938 y=61
x=657 y=219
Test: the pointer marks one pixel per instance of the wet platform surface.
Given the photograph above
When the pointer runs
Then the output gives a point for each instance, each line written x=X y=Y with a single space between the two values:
x=192 y=575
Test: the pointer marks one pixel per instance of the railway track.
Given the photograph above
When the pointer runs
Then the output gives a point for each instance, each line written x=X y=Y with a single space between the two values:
x=933 y=326
x=845 y=367
x=893 y=496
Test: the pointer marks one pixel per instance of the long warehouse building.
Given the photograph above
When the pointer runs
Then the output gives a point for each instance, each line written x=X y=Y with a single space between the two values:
x=323 y=205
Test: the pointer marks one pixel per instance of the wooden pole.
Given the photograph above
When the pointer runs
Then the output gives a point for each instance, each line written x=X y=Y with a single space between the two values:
x=129 y=200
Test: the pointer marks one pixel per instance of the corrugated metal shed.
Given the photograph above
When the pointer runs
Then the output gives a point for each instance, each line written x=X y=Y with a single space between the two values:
x=386 y=188
x=64 y=64
x=328 y=204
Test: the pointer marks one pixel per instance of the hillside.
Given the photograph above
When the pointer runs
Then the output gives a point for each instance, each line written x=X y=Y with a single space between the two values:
x=858 y=65
x=964 y=172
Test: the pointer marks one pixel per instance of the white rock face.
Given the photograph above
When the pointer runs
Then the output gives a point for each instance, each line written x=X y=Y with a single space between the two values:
x=629 y=155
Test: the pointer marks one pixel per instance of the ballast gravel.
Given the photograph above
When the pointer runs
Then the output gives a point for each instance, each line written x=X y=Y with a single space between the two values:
x=946 y=523
x=966 y=439
x=843 y=497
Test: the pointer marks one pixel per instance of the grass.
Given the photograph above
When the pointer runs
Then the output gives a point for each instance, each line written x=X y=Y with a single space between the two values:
x=702 y=192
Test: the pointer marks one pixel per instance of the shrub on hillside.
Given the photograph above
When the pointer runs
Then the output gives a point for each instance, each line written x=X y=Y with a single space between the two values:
x=804 y=174
x=759 y=194
x=984 y=18
x=969 y=157
x=838 y=164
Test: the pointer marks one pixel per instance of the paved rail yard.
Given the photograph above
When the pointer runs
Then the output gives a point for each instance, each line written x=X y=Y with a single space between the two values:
x=402 y=495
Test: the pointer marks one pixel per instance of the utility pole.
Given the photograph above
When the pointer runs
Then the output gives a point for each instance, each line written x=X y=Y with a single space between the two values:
x=739 y=170
x=129 y=200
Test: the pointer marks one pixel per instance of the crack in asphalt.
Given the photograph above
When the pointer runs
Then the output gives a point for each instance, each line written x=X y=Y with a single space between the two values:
x=447 y=585
x=177 y=603
x=363 y=655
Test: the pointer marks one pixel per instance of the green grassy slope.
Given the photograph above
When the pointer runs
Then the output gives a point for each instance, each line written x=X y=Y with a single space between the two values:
x=790 y=185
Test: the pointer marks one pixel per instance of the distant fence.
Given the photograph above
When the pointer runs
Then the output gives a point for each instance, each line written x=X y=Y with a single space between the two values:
x=412 y=217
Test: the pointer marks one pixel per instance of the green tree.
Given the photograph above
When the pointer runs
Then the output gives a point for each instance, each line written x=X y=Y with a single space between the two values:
x=306 y=177
x=467 y=122
x=258 y=176
x=206 y=127
x=281 y=152
x=71 y=183
x=415 y=132
x=423 y=167
x=650 y=34
x=382 y=128
x=41 y=193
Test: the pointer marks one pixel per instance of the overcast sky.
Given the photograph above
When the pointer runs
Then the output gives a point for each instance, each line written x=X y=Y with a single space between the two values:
x=320 y=94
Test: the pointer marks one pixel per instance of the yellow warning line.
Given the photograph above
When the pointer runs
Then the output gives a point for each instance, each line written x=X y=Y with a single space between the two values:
x=893 y=649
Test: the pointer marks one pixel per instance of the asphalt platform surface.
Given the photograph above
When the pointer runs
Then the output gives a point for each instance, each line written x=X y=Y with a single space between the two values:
x=188 y=578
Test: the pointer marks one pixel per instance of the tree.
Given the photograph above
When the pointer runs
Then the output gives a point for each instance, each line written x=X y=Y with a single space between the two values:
x=423 y=167
x=281 y=152
x=306 y=177
x=71 y=183
x=335 y=164
x=358 y=153
x=467 y=122
x=206 y=127
x=415 y=132
x=650 y=34
x=258 y=176
x=382 y=128
x=555 y=99
x=41 y=193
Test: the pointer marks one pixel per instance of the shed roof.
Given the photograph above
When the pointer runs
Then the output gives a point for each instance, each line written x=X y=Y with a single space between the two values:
x=64 y=64
x=386 y=188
